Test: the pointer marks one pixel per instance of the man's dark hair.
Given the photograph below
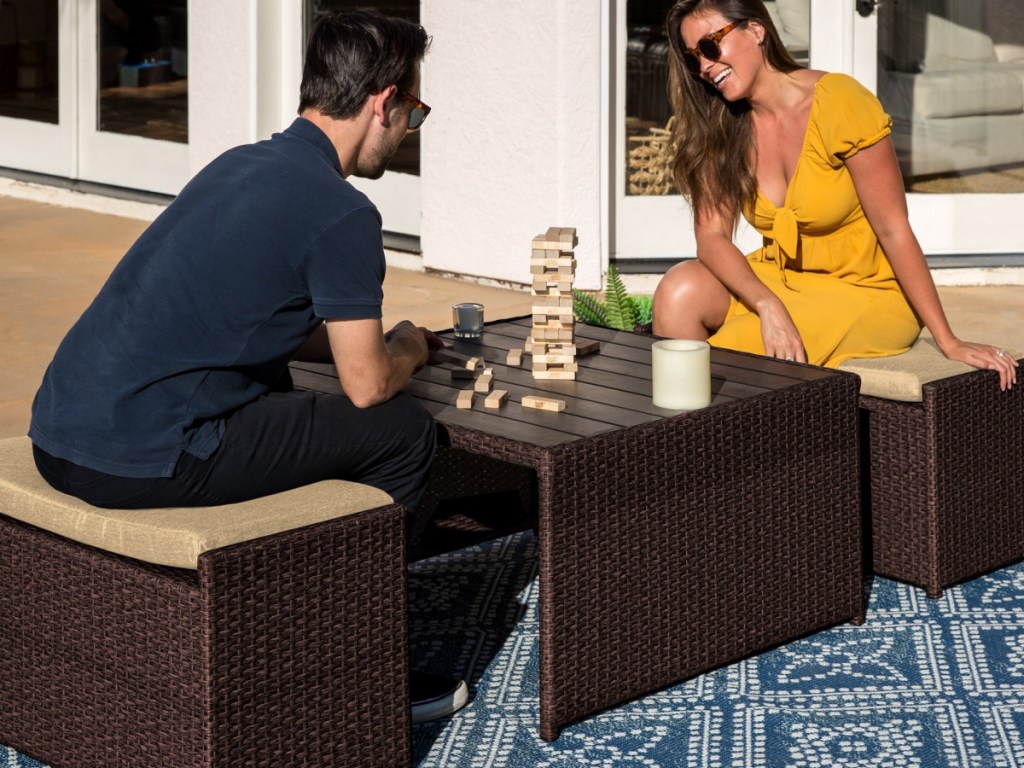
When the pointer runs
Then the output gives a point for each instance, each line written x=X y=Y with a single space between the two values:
x=352 y=55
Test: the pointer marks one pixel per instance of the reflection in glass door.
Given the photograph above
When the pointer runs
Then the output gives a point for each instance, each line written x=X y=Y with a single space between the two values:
x=652 y=222
x=133 y=93
x=36 y=104
x=28 y=60
x=952 y=76
x=142 y=68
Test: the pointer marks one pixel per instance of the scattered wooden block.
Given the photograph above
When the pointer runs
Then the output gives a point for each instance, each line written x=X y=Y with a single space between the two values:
x=463 y=374
x=465 y=399
x=483 y=382
x=543 y=403
x=496 y=399
x=474 y=362
x=453 y=357
x=587 y=347
x=514 y=357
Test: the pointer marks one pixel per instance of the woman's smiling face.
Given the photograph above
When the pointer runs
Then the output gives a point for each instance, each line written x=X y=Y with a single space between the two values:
x=741 y=60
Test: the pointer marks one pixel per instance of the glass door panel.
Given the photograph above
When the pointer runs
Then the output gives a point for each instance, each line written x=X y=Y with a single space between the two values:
x=951 y=74
x=143 y=68
x=28 y=60
x=133 y=93
x=36 y=62
x=653 y=222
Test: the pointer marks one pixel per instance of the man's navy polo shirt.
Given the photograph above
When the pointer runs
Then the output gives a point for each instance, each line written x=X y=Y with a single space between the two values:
x=205 y=310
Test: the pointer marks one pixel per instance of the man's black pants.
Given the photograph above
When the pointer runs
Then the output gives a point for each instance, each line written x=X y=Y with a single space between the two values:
x=281 y=441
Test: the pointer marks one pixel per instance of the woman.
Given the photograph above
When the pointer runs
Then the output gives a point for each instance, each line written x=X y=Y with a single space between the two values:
x=806 y=157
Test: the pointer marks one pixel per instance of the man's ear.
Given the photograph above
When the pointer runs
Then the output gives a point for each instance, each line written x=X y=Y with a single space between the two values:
x=382 y=103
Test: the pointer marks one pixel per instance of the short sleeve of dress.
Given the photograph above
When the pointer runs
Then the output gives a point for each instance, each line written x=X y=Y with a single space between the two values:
x=851 y=118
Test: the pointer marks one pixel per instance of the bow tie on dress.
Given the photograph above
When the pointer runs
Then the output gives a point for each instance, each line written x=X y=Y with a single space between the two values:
x=782 y=245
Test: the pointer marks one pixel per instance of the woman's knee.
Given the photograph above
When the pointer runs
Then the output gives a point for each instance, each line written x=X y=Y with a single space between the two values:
x=689 y=301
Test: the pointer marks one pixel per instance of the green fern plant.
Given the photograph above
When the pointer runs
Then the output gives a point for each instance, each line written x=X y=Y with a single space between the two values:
x=619 y=310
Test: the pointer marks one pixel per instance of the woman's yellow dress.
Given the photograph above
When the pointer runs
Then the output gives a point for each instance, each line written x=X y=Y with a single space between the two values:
x=820 y=255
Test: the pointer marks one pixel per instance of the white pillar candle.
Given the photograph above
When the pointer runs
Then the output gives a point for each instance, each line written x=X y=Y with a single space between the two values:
x=681 y=374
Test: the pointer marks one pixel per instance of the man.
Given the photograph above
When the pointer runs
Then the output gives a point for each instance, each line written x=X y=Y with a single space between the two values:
x=172 y=388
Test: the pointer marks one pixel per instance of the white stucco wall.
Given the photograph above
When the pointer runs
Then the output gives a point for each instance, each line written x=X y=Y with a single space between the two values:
x=513 y=144
x=221 y=104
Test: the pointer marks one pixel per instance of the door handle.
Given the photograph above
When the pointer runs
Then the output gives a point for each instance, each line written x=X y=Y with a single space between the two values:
x=866 y=7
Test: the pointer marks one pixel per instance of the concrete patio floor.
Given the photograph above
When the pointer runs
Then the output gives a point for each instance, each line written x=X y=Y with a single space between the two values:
x=54 y=259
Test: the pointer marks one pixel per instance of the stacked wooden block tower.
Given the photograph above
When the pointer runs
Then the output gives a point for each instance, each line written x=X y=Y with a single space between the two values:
x=553 y=268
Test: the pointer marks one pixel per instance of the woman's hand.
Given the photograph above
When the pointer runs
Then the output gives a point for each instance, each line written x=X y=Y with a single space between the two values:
x=781 y=338
x=986 y=357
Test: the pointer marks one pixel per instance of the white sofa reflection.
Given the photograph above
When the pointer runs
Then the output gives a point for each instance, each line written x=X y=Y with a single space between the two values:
x=952 y=76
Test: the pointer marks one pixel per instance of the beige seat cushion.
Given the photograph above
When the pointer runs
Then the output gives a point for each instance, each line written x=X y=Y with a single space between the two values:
x=900 y=377
x=173 y=536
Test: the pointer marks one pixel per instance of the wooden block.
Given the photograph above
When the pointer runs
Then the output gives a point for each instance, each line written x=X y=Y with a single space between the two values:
x=564 y=266
x=556 y=360
x=496 y=398
x=462 y=374
x=465 y=399
x=514 y=357
x=451 y=356
x=483 y=383
x=552 y=312
x=551 y=280
x=560 y=348
x=587 y=347
x=543 y=403
x=545 y=243
x=557 y=300
x=474 y=362
x=555 y=375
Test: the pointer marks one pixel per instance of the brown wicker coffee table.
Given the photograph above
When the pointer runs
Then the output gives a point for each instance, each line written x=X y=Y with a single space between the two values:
x=670 y=543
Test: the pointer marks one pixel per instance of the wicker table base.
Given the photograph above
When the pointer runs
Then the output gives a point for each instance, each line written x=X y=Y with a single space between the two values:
x=670 y=544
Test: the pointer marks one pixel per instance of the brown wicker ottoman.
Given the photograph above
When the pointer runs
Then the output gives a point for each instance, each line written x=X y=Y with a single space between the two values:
x=268 y=633
x=943 y=470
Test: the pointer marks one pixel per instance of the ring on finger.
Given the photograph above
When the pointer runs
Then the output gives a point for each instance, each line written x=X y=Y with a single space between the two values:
x=1000 y=352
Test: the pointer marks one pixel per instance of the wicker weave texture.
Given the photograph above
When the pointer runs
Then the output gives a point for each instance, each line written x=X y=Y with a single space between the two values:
x=287 y=649
x=674 y=547
x=947 y=477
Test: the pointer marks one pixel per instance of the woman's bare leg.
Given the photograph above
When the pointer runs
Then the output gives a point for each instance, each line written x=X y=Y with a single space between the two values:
x=690 y=302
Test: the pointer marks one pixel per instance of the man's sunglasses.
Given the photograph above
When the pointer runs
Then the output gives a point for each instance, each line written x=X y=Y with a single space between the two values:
x=418 y=113
x=708 y=47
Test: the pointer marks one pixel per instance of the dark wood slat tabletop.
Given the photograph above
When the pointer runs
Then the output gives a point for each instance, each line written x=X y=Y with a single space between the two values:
x=612 y=389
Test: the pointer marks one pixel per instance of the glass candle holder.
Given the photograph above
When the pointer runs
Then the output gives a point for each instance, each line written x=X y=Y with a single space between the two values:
x=468 y=320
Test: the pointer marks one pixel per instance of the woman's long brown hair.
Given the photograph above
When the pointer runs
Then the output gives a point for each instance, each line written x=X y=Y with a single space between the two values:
x=714 y=163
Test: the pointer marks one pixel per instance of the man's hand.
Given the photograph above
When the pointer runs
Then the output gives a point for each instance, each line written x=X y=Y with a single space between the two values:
x=373 y=366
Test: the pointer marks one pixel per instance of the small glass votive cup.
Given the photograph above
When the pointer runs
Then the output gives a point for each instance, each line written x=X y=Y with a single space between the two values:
x=468 y=320
x=681 y=374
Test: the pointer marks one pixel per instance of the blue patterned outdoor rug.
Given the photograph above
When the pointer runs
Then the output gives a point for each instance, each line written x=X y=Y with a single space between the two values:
x=923 y=684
